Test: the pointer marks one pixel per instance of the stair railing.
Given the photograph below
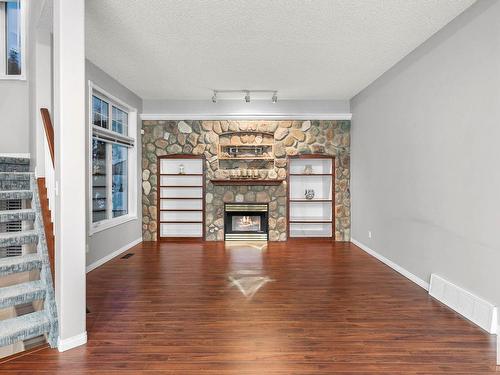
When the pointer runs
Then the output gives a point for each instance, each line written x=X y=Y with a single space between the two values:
x=45 y=272
x=49 y=184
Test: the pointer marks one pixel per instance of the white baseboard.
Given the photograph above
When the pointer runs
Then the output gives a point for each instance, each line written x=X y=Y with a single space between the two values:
x=470 y=306
x=26 y=155
x=417 y=280
x=498 y=345
x=114 y=254
x=475 y=309
x=72 y=342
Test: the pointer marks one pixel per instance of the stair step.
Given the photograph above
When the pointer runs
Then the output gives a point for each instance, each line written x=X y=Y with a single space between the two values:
x=22 y=263
x=14 y=160
x=17 y=215
x=12 y=164
x=16 y=194
x=14 y=181
x=18 y=238
x=15 y=176
x=21 y=293
x=23 y=327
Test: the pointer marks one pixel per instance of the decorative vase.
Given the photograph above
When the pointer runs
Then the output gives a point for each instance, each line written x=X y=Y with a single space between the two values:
x=309 y=194
x=181 y=169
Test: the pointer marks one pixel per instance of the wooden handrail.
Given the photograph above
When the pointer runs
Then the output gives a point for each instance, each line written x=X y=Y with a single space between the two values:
x=42 y=190
x=49 y=131
x=48 y=226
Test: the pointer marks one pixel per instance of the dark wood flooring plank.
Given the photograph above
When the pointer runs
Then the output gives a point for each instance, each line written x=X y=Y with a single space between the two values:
x=330 y=308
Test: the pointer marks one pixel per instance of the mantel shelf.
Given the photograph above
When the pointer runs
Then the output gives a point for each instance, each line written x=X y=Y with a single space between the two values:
x=248 y=181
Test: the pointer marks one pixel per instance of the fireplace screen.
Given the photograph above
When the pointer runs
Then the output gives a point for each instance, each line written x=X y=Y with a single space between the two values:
x=248 y=223
x=245 y=221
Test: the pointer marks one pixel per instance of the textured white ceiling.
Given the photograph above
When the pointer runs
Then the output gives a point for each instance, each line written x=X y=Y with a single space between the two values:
x=306 y=49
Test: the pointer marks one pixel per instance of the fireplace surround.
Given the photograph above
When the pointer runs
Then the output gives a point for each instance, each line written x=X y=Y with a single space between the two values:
x=203 y=138
x=246 y=221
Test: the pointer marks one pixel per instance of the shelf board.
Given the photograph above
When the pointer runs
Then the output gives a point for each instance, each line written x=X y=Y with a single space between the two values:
x=311 y=221
x=180 y=210
x=181 y=174
x=311 y=174
x=180 y=222
x=248 y=145
x=310 y=200
x=181 y=198
x=249 y=181
x=247 y=158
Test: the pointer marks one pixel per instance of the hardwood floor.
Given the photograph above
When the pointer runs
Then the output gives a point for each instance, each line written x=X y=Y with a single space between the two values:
x=329 y=308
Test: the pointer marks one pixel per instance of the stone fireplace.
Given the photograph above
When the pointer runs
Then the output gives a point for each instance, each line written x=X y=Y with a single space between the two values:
x=245 y=222
x=206 y=138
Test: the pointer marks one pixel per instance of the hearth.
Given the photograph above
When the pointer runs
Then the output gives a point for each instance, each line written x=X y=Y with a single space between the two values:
x=246 y=222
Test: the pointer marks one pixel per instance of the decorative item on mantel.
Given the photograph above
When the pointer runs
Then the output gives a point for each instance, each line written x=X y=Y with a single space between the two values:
x=309 y=194
x=272 y=174
x=244 y=173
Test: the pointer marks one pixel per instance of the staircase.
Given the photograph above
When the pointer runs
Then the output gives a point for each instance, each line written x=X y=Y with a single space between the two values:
x=28 y=311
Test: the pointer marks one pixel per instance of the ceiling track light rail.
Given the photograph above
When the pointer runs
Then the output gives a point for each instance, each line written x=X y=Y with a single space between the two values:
x=247 y=94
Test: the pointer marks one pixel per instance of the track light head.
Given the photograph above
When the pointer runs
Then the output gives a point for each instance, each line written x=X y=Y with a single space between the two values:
x=275 y=98
x=247 y=97
x=214 y=97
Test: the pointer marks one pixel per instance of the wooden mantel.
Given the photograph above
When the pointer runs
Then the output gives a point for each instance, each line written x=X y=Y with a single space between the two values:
x=246 y=181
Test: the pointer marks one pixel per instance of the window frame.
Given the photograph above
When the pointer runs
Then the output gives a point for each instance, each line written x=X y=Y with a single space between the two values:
x=94 y=90
x=3 y=48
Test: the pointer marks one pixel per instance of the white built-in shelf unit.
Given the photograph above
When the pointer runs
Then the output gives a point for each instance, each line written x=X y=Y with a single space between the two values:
x=311 y=217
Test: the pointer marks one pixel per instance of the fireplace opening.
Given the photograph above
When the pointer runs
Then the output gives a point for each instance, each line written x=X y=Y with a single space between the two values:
x=245 y=222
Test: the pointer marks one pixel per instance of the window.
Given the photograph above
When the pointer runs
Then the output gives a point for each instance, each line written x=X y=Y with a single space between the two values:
x=11 y=39
x=112 y=149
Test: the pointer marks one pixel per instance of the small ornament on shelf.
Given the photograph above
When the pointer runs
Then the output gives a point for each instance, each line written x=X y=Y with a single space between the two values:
x=309 y=194
x=308 y=169
x=181 y=169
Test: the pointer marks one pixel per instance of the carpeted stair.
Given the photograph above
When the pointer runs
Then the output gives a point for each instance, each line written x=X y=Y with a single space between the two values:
x=21 y=227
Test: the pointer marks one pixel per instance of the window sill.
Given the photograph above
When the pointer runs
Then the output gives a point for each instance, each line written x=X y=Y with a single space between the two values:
x=4 y=77
x=111 y=223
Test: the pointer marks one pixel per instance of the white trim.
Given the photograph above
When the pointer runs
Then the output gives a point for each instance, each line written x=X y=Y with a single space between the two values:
x=132 y=162
x=498 y=344
x=114 y=254
x=24 y=30
x=247 y=116
x=417 y=280
x=26 y=155
x=110 y=223
x=72 y=342
x=107 y=95
x=470 y=306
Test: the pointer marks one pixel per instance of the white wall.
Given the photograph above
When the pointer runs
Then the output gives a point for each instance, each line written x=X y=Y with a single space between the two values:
x=425 y=156
x=106 y=242
x=14 y=124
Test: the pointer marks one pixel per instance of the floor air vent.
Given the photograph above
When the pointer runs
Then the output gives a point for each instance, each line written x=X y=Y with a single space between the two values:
x=126 y=256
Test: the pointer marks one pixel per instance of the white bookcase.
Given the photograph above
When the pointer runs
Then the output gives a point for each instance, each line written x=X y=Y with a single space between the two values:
x=311 y=217
x=181 y=200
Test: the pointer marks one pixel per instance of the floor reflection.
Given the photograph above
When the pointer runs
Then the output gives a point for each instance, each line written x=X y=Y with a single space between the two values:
x=247 y=272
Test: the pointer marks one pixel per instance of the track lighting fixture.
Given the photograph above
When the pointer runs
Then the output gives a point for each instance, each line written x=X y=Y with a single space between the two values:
x=247 y=93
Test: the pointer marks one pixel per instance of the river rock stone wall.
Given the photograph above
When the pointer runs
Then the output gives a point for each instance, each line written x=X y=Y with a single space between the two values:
x=290 y=138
